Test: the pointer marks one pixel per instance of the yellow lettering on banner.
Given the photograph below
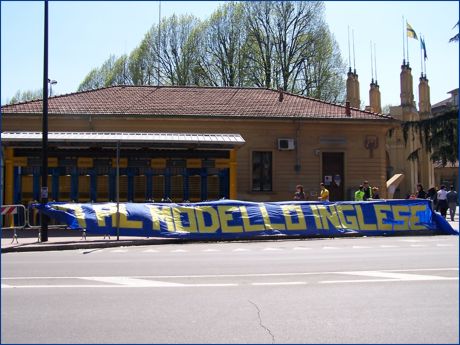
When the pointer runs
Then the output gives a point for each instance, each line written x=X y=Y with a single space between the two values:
x=247 y=224
x=290 y=225
x=124 y=222
x=78 y=211
x=317 y=217
x=362 y=223
x=414 y=219
x=226 y=214
x=397 y=210
x=328 y=214
x=268 y=224
x=161 y=214
x=381 y=214
x=348 y=222
x=189 y=211
x=211 y=211
x=103 y=211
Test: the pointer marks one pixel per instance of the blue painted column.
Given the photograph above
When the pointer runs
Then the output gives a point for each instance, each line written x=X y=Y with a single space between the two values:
x=204 y=184
x=167 y=183
x=74 y=184
x=36 y=184
x=17 y=185
x=130 y=185
x=93 y=185
x=112 y=185
x=186 y=185
x=223 y=183
x=148 y=186
x=55 y=183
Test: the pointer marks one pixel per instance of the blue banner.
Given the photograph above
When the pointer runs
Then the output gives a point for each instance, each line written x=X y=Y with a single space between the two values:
x=237 y=219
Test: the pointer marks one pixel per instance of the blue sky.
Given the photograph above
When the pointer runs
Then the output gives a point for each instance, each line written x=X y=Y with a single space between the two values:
x=84 y=34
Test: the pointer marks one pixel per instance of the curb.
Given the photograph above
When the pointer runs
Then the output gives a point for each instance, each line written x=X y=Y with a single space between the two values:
x=59 y=246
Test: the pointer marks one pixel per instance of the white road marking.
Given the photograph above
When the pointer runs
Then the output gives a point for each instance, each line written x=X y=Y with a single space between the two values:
x=119 y=251
x=210 y=250
x=301 y=248
x=133 y=282
x=179 y=251
x=360 y=247
x=279 y=283
x=272 y=249
x=388 y=246
x=5 y=286
x=240 y=250
x=417 y=245
x=444 y=245
x=387 y=277
x=327 y=248
x=150 y=251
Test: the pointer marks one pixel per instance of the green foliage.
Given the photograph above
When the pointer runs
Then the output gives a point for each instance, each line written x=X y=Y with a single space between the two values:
x=272 y=44
x=439 y=135
x=24 y=96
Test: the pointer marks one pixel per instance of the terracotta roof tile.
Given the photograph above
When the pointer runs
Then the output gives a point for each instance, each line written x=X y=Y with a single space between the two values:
x=190 y=101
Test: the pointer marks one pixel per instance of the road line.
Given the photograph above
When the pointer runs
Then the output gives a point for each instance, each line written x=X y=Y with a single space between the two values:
x=210 y=250
x=278 y=283
x=150 y=251
x=241 y=275
x=361 y=247
x=272 y=249
x=240 y=250
x=119 y=251
x=388 y=246
x=301 y=248
x=330 y=247
x=444 y=245
x=381 y=280
x=133 y=282
x=178 y=251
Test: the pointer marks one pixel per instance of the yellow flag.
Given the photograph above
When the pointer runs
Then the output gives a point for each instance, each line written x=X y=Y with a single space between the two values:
x=411 y=32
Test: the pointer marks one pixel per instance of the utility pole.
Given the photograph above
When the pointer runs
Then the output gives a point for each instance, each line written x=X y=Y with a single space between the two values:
x=44 y=189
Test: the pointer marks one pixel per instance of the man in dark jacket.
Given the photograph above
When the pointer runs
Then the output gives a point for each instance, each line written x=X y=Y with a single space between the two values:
x=367 y=191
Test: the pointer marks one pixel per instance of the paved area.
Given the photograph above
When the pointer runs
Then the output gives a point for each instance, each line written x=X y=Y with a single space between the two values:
x=65 y=239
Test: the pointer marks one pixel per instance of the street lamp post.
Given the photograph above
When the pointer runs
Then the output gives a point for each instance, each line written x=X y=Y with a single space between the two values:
x=44 y=189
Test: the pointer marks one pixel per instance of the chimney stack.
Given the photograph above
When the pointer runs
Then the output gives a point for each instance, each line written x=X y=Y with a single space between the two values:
x=281 y=94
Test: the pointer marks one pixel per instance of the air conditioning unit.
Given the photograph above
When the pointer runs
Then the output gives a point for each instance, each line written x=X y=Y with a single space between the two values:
x=285 y=144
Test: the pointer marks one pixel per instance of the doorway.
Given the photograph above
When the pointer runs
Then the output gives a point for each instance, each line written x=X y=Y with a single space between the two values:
x=333 y=174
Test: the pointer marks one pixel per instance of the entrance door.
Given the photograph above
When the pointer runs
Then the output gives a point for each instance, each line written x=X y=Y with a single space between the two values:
x=333 y=168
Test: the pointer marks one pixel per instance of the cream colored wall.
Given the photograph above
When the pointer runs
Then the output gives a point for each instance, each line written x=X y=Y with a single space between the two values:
x=260 y=135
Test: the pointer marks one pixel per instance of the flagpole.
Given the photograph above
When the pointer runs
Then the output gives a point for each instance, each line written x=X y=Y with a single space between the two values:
x=407 y=46
x=421 y=53
x=404 y=48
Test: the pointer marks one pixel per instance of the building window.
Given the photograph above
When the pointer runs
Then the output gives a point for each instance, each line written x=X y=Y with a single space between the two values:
x=262 y=171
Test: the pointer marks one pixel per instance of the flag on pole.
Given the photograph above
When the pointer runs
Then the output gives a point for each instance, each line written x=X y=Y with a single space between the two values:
x=410 y=32
x=422 y=42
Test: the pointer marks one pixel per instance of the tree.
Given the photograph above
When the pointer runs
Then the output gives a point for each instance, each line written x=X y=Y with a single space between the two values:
x=439 y=135
x=24 y=96
x=222 y=59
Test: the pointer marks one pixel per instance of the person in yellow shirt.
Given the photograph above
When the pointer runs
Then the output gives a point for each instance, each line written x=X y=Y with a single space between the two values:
x=324 y=194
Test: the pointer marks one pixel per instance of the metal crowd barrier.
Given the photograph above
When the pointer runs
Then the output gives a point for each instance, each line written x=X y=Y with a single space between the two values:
x=14 y=217
x=18 y=217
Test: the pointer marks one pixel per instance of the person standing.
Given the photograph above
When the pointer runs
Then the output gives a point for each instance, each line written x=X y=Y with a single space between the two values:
x=375 y=193
x=442 y=201
x=359 y=194
x=421 y=194
x=324 y=193
x=299 y=195
x=367 y=191
x=452 y=198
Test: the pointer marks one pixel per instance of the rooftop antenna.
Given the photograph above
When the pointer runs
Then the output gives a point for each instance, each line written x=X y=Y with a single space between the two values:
x=159 y=42
x=354 y=61
x=372 y=70
x=375 y=64
x=349 y=54
x=404 y=41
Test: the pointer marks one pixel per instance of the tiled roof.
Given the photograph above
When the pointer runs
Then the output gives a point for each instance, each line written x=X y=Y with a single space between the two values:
x=170 y=101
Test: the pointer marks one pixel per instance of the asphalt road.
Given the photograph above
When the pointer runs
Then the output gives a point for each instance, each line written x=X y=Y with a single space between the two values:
x=361 y=290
